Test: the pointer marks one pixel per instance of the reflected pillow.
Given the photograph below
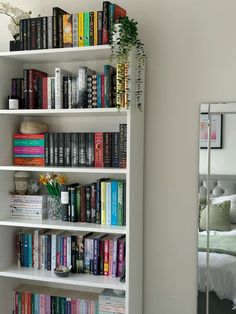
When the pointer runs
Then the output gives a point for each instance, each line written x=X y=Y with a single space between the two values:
x=218 y=217
x=232 y=199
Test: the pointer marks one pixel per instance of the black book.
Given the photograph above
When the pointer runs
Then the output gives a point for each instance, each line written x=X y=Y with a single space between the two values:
x=65 y=92
x=39 y=93
x=28 y=30
x=49 y=250
x=33 y=33
x=105 y=23
x=123 y=145
x=67 y=149
x=89 y=139
x=73 y=215
x=61 y=144
x=64 y=202
x=74 y=150
x=39 y=33
x=56 y=12
x=100 y=18
x=73 y=254
x=93 y=201
x=25 y=34
x=115 y=148
x=88 y=203
x=82 y=150
x=56 y=149
x=46 y=148
x=51 y=149
x=107 y=149
x=21 y=30
x=44 y=33
x=91 y=28
x=26 y=88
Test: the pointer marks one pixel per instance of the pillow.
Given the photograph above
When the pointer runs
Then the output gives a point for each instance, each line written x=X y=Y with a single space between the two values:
x=232 y=199
x=218 y=217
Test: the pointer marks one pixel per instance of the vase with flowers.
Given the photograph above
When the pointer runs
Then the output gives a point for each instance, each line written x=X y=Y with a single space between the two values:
x=53 y=184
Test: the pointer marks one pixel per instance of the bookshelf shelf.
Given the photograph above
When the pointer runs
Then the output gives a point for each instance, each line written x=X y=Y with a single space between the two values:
x=63 y=225
x=65 y=169
x=68 y=112
x=59 y=55
x=82 y=280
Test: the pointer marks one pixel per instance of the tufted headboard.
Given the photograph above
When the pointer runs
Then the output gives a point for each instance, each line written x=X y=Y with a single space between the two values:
x=219 y=185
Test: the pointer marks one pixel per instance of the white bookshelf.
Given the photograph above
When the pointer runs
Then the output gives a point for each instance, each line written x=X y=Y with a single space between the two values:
x=74 y=120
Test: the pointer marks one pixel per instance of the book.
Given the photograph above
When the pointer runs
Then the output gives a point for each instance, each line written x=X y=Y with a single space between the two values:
x=123 y=145
x=115 y=149
x=107 y=149
x=89 y=146
x=57 y=12
x=34 y=76
x=98 y=149
x=86 y=29
x=81 y=29
x=95 y=28
x=100 y=25
x=67 y=30
x=91 y=28
x=105 y=23
x=59 y=73
x=75 y=30
x=114 y=202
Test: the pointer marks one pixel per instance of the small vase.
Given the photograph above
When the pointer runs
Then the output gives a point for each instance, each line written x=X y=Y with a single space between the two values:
x=54 y=207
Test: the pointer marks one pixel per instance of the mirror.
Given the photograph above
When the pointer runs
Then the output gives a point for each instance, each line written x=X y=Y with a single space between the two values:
x=217 y=209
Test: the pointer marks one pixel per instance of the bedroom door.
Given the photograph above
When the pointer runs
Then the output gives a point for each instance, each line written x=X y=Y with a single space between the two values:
x=217 y=209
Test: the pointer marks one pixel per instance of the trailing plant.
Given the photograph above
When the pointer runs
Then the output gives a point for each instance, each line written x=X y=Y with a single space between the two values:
x=124 y=37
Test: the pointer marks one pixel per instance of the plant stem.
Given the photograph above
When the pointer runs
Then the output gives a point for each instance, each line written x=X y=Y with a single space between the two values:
x=9 y=16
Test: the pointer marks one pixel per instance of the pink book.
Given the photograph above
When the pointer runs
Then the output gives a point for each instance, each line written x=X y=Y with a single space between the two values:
x=74 y=307
x=103 y=90
x=110 y=256
x=65 y=251
x=42 y=303
x=48 y=304
x=121 y=256
x=29 y=150
x=92 y=307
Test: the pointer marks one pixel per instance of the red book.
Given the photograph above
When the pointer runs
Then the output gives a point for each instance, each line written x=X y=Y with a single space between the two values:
x=98 y=149
x=107 y=240
x=22 y=302
x=45 y=92
x=28 y=136
x=119 y=12
x=73 y=306
x=33 y=87
x=103 y=90
x=19 y=161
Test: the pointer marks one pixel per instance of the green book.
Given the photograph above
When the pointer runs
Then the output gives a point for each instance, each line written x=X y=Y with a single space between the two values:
x=120 y=203
x=32 y=303
x=78 y=205
x=86 y=28
x=26 y=142
x=19 y=302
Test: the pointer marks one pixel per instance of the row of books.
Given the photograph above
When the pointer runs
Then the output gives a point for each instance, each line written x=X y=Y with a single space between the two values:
x=86 y=89
x=62 y=29
x=89 y=253
x=101 y=202
x=28 y=299
x=111 y=303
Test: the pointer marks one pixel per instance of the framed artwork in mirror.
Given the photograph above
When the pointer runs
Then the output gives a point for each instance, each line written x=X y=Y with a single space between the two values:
x=216 y=130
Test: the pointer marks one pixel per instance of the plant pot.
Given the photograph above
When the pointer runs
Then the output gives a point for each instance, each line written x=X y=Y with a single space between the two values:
x=54 y=207
x=15 y=45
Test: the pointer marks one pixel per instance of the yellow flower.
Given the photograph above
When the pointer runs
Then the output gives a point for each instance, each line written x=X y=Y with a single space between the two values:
x=43 y=180
x=62 y=179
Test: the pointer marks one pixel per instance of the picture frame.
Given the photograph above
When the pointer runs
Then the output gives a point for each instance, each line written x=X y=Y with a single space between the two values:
x=216 y=130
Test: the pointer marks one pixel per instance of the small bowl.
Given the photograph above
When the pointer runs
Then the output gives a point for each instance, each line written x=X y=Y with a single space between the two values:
x=62 y=271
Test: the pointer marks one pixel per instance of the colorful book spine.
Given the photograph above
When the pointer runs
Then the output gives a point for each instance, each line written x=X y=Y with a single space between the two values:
x=86 y=29
x=100 y=25
x=123 y=145
x=105 y=23
x=121 y=257
x=67 y=30
x=81 y=29
x=95 y=33
x=103 y=202
x=91 y=28
x=115 y=149
x=75 y=30
x=114 y=202
x=108 y=202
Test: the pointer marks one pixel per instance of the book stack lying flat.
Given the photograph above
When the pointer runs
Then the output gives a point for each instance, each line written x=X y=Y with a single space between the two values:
x=28 y=150
x=111 y=303
x=28 y=206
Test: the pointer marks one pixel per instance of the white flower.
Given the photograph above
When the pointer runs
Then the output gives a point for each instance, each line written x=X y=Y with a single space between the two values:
x=16 y=15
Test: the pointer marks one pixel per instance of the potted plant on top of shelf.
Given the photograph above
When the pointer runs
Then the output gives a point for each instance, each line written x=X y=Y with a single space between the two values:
x=16 y=15
x=124 y=37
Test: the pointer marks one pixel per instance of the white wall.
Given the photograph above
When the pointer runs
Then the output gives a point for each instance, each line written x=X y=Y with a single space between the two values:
x=222 y=160
x=191 y=49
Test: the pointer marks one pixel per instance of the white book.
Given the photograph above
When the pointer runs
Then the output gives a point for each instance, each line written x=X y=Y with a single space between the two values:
x=49 y=93
x=55 y=234
x=27 y=216
x=59 y=73
x=50 y=32
x=68 y=246
x=75 y=30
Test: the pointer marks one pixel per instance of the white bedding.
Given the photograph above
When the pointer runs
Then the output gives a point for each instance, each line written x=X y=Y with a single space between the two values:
x=222 y=271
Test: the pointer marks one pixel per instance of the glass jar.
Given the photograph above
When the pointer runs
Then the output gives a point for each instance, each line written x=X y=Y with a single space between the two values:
x=54 y=208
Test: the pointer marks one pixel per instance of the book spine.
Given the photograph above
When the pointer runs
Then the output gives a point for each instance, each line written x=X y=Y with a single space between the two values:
x=91 y=28
x=68 y=252
x=56 y=149
x=53 y=251
x=88 y=203
x=61 y=145
x=103 y=202
x=67 y=149
x=99 y=91
x=51 y=149
x=86 y=28
x=39 y=93
x=65 y=92
x=101 y=258
x=114 y=257
x=114 y=202
x=25 y=34
x=46 y=150
x=60 y=30
x=73 y=215
x=58 y=88
x=83 y=204
x=107 y=86
x=123 y=145
x=91 y=255
x=98 y=149
x=81 y=29
x=96 y=256
x=89 y=139
x=103 y=90
x=106 y=257
x=108 y=202
x=69 y=96
x=86 y=256
x=105 y=23
x=50 y=32
x=115 y=149
x=111 y=19
x=73 y=254
x=67 y=30
x=64 y=202
x=21 y=31
x=44 y=33
x=98 y=202
x=121 y=257
x=120 y=88
x=110 y=256
x=75 y=30
x=28 y=136
x=53 y=93
x=26 y=88
x=28 y=150
x=33 y=43
x=120 y=204
x=19 y=161
x=73 y=93
x=81 y=87
x=39 y=37
x=124 y=202
x=93 y=196
x=82 y=150
x=45 y=92
x=100 y=22
x=49 y=251
x=78 y=203
x=95 y=26
x=107 y=149
x=119 y=12
x=89 y=90
x=49 y=93
x=74 y=150
x=80 y=254
x=94 y=91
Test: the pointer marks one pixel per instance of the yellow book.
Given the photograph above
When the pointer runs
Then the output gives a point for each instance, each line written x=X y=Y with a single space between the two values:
x=81 y=28
x=95 y=28
x=103 y=202
x=67 y=30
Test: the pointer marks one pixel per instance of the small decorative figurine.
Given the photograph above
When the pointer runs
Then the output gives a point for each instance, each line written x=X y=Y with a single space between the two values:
x=21 y=182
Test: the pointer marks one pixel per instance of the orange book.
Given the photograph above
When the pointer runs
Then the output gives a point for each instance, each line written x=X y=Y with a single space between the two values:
x=20 y=161
x=67 y=31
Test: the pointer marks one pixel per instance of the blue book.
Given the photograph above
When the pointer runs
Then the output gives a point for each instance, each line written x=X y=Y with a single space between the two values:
x=36 y=303
x=114 y=202
x=30 y=250
x=99 y=90
x=29 y=155
x=108 y=202
x=107 y=86
x=26 y=246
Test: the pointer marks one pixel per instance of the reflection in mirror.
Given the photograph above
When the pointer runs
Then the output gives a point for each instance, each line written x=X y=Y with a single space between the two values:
x=217 y=210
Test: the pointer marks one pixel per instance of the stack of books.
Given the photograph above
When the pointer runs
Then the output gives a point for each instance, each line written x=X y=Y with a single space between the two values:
x=111 y=303
x=28 y=150
x=36 y=299
x=62 y=29
x=28 y=206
